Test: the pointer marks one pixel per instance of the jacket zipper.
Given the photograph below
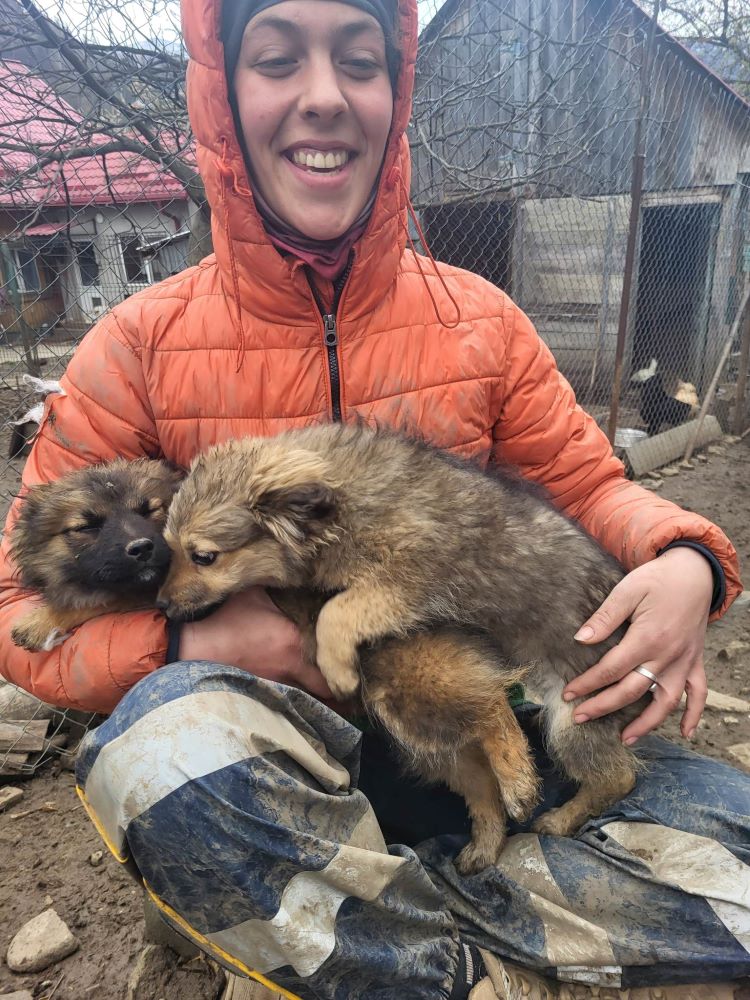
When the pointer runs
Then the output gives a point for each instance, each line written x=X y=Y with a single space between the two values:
x=331 y=340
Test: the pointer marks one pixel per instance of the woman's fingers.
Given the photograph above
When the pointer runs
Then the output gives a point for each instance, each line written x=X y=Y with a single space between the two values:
x=612 y=612
x=696 y=688
x=632 y=687
x=665 y=700
x=616 y=664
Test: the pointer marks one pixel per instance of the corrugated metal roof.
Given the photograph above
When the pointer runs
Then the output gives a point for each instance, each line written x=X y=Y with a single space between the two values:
x=45 y=229
x=36 y=119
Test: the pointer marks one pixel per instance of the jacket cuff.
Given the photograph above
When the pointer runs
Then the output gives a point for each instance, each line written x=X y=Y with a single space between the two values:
x=720 y=581
x=174 y=631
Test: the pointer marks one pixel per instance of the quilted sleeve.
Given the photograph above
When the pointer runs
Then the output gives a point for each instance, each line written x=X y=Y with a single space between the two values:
x=544 y=433
x=104 y=413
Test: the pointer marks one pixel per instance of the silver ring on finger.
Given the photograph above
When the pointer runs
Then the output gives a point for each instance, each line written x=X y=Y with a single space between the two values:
x=645 y=672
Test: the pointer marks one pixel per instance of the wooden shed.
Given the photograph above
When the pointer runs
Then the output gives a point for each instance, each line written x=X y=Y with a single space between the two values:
x=523 y=140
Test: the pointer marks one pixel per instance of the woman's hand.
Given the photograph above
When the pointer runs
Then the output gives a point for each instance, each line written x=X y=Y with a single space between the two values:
x=667 y=601
x=249 y=631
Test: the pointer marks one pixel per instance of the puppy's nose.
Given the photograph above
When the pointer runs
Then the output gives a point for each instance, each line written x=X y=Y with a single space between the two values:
x=140 y=549
x=162 y=604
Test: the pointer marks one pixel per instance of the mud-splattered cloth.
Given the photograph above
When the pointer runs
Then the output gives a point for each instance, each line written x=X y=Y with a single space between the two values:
x=240 y=804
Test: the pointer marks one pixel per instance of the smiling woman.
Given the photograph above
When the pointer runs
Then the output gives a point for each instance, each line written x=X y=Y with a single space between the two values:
x=312 y=95
x=248 y=803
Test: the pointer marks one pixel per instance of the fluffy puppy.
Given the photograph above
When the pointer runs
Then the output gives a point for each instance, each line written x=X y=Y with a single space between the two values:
x=92 y=543
x=443 y=696
x=408 y=539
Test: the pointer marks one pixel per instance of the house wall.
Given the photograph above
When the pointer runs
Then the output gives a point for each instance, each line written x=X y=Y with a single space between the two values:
x=35 y=309
x=545 y=94
x=535 y=104
x=147 y=221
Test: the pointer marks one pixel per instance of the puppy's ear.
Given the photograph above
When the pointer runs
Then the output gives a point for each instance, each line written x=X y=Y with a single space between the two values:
x=295 y=513
x=34 y=513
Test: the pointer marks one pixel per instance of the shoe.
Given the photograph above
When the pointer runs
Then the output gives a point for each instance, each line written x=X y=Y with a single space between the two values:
x=240 y=988
x=506 y=981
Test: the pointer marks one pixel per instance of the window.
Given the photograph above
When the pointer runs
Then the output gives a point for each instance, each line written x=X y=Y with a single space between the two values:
x=141 y=258
x=88 y=264
x=27 y=272
x=135 y=266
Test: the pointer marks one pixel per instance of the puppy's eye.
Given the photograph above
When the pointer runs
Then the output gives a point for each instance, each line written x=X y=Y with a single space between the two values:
x=149 y=507
x=90 y=526
x=204 y=558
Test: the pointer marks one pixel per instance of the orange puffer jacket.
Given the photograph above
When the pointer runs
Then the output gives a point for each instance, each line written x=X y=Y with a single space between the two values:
x=236 y=346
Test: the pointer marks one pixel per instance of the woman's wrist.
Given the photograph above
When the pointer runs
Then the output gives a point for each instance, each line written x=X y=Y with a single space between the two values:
x=717 y=570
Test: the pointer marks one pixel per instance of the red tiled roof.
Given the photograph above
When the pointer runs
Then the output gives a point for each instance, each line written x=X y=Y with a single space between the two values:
x=33 y=114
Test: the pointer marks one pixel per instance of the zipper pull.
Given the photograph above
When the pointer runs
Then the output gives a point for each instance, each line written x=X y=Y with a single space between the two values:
x=330 y=333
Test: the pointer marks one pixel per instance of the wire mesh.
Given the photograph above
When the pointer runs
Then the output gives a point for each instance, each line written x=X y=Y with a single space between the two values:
x=523 y=139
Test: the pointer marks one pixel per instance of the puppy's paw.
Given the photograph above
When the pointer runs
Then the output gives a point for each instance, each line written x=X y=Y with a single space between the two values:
x=27 y=634
x=340 y=670
x=556 y=823
x=341 y=676
x=522 y=796
x=475 y=857
x=33 y=632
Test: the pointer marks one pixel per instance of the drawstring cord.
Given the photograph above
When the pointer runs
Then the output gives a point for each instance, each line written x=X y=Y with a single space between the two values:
x=423 y=241
x=225 y=171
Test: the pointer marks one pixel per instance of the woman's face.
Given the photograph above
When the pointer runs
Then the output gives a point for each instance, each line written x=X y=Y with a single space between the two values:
x=315 y=103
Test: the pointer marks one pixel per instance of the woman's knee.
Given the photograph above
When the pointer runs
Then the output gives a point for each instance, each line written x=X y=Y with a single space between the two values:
x=200 y=746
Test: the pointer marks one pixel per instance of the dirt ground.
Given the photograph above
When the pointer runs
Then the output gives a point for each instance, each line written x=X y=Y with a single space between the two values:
x=46 y=854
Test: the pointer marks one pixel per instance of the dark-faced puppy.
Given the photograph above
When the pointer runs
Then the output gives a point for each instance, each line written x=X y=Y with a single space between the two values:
x=411 y=542
x=90 y=543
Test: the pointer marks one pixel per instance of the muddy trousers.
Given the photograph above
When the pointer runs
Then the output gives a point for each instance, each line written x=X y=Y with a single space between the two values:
x=246 y=808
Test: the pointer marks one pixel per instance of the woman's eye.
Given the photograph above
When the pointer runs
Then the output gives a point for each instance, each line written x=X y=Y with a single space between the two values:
x=276 y=66
x=362 y=67
x=203 y=558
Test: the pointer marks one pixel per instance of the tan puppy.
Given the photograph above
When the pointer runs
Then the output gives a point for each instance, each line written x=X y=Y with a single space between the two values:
x=92 y=543
x=408 y=539
x=442 y=694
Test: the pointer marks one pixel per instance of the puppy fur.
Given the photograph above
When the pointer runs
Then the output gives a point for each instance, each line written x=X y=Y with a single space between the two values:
x=410 y=541
x=92 y=543
x=442 y=695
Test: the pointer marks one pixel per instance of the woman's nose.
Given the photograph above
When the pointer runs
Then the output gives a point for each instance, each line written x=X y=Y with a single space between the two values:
x=321 y=96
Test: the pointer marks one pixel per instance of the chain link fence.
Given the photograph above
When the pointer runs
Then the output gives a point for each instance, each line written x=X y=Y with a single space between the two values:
x=571 y=151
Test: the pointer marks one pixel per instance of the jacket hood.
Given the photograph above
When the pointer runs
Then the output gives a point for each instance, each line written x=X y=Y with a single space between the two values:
x=254 y=273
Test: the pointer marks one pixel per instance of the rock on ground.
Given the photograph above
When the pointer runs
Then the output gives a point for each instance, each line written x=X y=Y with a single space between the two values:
x=741 y=753
x=40 y=943
x=159 y=972
x=18 y=995
x=734 y=649
x=9 y=795
x=726 y=703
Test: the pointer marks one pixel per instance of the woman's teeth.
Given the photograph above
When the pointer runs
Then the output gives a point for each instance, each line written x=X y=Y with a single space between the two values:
x=316 y=160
